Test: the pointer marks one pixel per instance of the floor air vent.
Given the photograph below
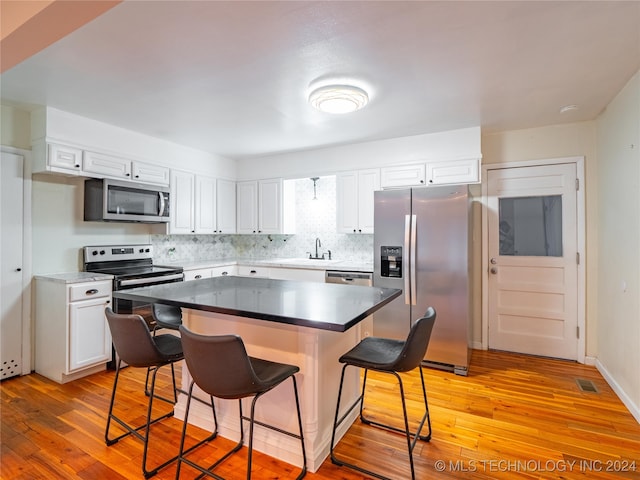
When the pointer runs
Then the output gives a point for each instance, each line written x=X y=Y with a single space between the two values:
x=586 y=385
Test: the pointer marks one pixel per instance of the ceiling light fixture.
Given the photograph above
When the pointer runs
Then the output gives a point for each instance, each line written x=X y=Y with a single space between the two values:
x=568 y=108
x=338 y=99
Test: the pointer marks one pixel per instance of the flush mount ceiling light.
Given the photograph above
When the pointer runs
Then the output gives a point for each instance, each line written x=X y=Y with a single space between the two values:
x=568 y=108
x=338 y=99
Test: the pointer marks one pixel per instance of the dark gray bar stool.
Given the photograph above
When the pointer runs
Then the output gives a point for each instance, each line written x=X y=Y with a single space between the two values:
x=221 y=367
x=165 y=316
x=136 y=347
x=389 y=356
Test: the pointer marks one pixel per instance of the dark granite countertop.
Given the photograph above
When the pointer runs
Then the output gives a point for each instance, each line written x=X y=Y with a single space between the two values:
x=316 y=305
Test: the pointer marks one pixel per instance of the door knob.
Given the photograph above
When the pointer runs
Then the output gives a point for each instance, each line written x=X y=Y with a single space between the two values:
x=493 y=261
x=493 y=270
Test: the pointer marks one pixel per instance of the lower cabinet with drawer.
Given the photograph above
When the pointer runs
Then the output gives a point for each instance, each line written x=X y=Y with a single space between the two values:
x=72 y=337
x=201 y=273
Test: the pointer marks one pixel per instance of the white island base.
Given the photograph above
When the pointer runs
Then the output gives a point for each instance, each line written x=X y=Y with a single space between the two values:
x=315 y=351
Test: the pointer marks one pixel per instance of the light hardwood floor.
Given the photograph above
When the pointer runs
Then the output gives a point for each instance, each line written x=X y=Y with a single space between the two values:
x=514 y=416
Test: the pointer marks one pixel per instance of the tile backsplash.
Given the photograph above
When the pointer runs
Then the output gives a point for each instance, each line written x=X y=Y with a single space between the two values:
x=313 y=219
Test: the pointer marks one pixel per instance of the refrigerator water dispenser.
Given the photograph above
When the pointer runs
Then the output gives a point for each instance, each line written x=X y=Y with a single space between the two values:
x=391 y=262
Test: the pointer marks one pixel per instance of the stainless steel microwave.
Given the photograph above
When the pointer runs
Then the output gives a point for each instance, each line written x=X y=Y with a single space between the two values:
x=120 y=201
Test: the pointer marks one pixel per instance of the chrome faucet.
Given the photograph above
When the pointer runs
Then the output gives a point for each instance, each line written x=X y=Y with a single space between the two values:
x=318 y=245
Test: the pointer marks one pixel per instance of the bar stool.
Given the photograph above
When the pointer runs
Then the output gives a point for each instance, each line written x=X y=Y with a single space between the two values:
x=389 y=356
x=136 y=347
x=221 y=367
x=165 y=316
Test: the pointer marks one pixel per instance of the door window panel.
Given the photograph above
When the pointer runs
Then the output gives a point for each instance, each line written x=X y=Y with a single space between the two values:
x=531 y=226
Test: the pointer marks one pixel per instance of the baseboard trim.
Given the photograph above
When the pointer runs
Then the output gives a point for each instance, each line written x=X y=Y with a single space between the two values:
x=622 y=395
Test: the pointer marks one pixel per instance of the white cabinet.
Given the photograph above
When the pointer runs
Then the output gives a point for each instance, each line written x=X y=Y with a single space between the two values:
x=71 y=331
x=208 y=272
x=201 y=204
x=99 y=164
x=197 y=274
x=71 y=160
x=182 y=202
x=260 y=207
x=224 y=271
x=354 y=200
x=298 y=274
x=270 y=206
x=247 y=207
x=148 y=173
x=225 y=206
x=65 y=157
x=253 y=271
x=402 y=176
x=205 y=205
x=453 y=171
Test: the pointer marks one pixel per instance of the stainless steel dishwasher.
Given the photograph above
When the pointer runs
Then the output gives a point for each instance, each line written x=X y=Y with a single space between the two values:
x=354 y=278
x=349 y=278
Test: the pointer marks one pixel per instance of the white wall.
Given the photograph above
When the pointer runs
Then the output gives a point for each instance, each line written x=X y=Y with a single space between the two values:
x=455 y=144
x=15 y=128
x=618 y=134
x=555 y=141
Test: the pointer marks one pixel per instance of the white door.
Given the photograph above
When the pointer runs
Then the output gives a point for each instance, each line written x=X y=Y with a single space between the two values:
x=11 y=241
x=533 y=260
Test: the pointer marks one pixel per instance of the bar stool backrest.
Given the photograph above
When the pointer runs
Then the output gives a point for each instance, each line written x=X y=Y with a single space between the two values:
x=417 y=343
x=133 y=341
x=219 y=364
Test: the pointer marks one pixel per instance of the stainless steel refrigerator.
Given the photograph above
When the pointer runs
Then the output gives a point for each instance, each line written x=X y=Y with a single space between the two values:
x=421 y=241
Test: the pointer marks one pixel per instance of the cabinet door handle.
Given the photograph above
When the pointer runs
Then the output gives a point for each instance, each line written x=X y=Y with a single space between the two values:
x=253 y=271
x=225 y=273
x=92 y=291
x=198 y=277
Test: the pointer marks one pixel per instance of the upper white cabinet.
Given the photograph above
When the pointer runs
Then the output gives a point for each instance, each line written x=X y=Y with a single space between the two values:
x=71 y=160
x=260 y=207
x=215 y=206
x=106 y=165
x=205 y=205
x=354 y=202
x=201 y=204
x=225 y=206
x=64 y=157
x=182 y=202
x=147 y=173
x=247 y=207
x=270 y=206
x=402 y=176
x=453 y=171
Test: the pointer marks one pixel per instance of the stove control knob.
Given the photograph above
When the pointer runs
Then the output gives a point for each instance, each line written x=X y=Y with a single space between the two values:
x=95 y=252
x=147 y=250
x=102 y=252
x=142 y=250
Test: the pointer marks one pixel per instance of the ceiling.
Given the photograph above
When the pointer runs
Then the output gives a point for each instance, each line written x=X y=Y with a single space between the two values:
x=232 y=78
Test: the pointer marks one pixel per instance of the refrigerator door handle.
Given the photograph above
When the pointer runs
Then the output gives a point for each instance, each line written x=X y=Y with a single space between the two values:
x=413 y=256
x=405 y=264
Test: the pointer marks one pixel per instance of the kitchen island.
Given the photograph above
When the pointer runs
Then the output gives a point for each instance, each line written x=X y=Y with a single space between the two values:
x=306 y=324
